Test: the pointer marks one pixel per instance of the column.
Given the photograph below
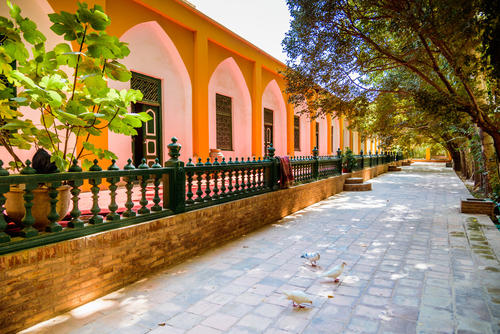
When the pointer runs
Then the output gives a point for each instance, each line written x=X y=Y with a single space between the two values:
x=290 y=145
x=313 y=134
x=200 y=96
x=428 y=153
x=341 y=133
x=257 y=123
x=329 y=134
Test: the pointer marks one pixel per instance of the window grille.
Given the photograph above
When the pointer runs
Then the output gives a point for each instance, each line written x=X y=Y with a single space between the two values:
x=224 y=122
x=296 y=132
x=317 y=135
x=268 y=116
x=149 y=87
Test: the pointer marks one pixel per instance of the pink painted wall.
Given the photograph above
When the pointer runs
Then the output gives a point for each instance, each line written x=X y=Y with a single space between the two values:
x=323 y=139
x=355 y=142
x=304 y=135
x=228 y=80
x=336 y=135
x=346 y=135
x=272 y=98
x=153 y=53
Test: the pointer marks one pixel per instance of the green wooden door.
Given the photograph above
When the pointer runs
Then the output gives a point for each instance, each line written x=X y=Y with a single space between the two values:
x=147 y=143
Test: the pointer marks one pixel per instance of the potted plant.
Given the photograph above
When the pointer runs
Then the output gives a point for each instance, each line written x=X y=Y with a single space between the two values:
x=65 y=92
x=348 y=160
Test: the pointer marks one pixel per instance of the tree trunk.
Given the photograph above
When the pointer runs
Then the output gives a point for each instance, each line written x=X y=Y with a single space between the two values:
x=491 y=175
x=455 y=156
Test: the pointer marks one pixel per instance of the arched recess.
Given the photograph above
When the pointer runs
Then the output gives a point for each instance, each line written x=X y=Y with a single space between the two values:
x=347 y=139
x=272 y=98
x=153 y=53
x=323 y=135
x=336 y=135
x=228 y=80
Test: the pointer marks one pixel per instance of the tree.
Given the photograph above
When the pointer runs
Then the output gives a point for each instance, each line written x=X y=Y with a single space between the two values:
x=349 y=48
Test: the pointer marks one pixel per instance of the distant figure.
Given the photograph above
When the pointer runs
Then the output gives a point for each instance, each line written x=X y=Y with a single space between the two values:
x=41 y=162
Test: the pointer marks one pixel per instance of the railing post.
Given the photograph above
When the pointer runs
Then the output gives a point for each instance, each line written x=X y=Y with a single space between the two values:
x=370 y=158
x=339 y=156
x=315 y=165
x=274 y=175
x=4 y=237
x=174 y=182
x=362 y=159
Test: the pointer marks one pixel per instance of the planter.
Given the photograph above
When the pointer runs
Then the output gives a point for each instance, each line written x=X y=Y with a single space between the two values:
x=14 y=204
x=477 y=205
x=216 y=153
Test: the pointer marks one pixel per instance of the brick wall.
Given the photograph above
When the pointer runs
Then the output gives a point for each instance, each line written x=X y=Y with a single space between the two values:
x=39 y=283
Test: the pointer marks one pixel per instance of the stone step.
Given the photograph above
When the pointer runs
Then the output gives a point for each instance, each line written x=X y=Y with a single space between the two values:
x=353 y=180
x=394 y=169
x=357 y=187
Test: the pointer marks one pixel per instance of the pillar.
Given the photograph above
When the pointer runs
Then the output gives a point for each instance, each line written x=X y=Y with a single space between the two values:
x=200 y=96
x=329 y=134
x=359 y=143
x=351 y=144
x=341 y=133
x=257 y=123
x=428 y=153
x=290 y=145
x=313 y=134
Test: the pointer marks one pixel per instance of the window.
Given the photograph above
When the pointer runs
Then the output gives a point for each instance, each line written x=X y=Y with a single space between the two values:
x=224 y=122
x=317 y=135
x=296 y=132
x=331 y=137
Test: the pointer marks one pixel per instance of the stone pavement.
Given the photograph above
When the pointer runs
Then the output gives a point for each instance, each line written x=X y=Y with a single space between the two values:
x=414 y=264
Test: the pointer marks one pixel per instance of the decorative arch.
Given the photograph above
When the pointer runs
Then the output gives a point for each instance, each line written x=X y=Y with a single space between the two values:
x=153 y=53
x=227 y=79
x=272 y=98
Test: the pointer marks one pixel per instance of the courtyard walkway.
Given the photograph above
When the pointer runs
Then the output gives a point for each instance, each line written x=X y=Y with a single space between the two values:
x=414 y=264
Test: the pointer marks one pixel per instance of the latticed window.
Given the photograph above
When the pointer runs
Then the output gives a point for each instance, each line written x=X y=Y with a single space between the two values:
x=331 y=137
x=149 y=87
x=224 y=122
x=296 y=133
x=317 y=135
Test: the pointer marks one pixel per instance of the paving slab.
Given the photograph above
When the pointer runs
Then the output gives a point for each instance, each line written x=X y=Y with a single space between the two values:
x=415 y=264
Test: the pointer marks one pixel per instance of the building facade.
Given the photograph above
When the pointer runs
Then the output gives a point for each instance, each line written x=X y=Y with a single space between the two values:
x=203 y=84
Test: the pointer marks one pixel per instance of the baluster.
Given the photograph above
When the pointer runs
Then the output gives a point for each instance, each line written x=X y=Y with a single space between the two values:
x=144 y=183
x=199 y=177
x=223 y=184
x=96 y=218
x=129 y=204
x=156 y=183
x=4 y=237
x=75 y=213
x=53 y=216
x=208 y=191
x=237 y=179
x=112 y=215
x=189 y=175
x=28 y=220
x=216 y=179
x=230 y=181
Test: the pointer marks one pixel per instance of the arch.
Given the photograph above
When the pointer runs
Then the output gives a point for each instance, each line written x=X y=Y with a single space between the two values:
x=153 y=53
x=227 y=79
x=272 y=98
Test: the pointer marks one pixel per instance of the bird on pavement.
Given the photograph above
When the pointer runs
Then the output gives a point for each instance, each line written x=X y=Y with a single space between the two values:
x=312 y=257
x=298 y=297
x=334 y=272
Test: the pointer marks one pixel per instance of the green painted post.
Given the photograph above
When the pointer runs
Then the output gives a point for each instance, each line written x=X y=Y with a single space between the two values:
x=339 y=162
x=96 y=218
x=4 y=237
x=315 y=164
x=75 y=213
x=273 y=172
x=174 y=182
x=53 y=216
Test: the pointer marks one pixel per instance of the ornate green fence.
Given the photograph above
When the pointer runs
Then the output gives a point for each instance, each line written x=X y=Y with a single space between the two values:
x=144 y=193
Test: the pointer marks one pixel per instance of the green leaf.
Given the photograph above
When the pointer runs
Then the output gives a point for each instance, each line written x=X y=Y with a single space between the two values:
x=30 y=32
x=117 y=71
x=96 y=84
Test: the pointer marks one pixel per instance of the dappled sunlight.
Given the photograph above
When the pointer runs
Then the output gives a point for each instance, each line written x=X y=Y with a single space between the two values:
x=95 y=306
x=423 y=266
x=136 y=304
x=398 y=276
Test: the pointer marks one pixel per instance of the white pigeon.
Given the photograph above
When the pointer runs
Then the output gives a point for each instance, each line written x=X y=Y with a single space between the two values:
x=298 y=297
x=312 y=257
x=334 y=272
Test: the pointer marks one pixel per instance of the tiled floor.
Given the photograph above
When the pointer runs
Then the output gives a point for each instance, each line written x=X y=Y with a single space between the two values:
x=415 y=264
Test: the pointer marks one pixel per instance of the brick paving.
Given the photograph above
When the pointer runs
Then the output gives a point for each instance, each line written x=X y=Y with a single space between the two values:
x=414 y=265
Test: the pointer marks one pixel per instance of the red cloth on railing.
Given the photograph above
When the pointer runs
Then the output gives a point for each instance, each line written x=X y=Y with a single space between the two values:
x=286 y=178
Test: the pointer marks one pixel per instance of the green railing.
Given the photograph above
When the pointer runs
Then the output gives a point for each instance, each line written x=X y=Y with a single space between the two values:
x=120 y=197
